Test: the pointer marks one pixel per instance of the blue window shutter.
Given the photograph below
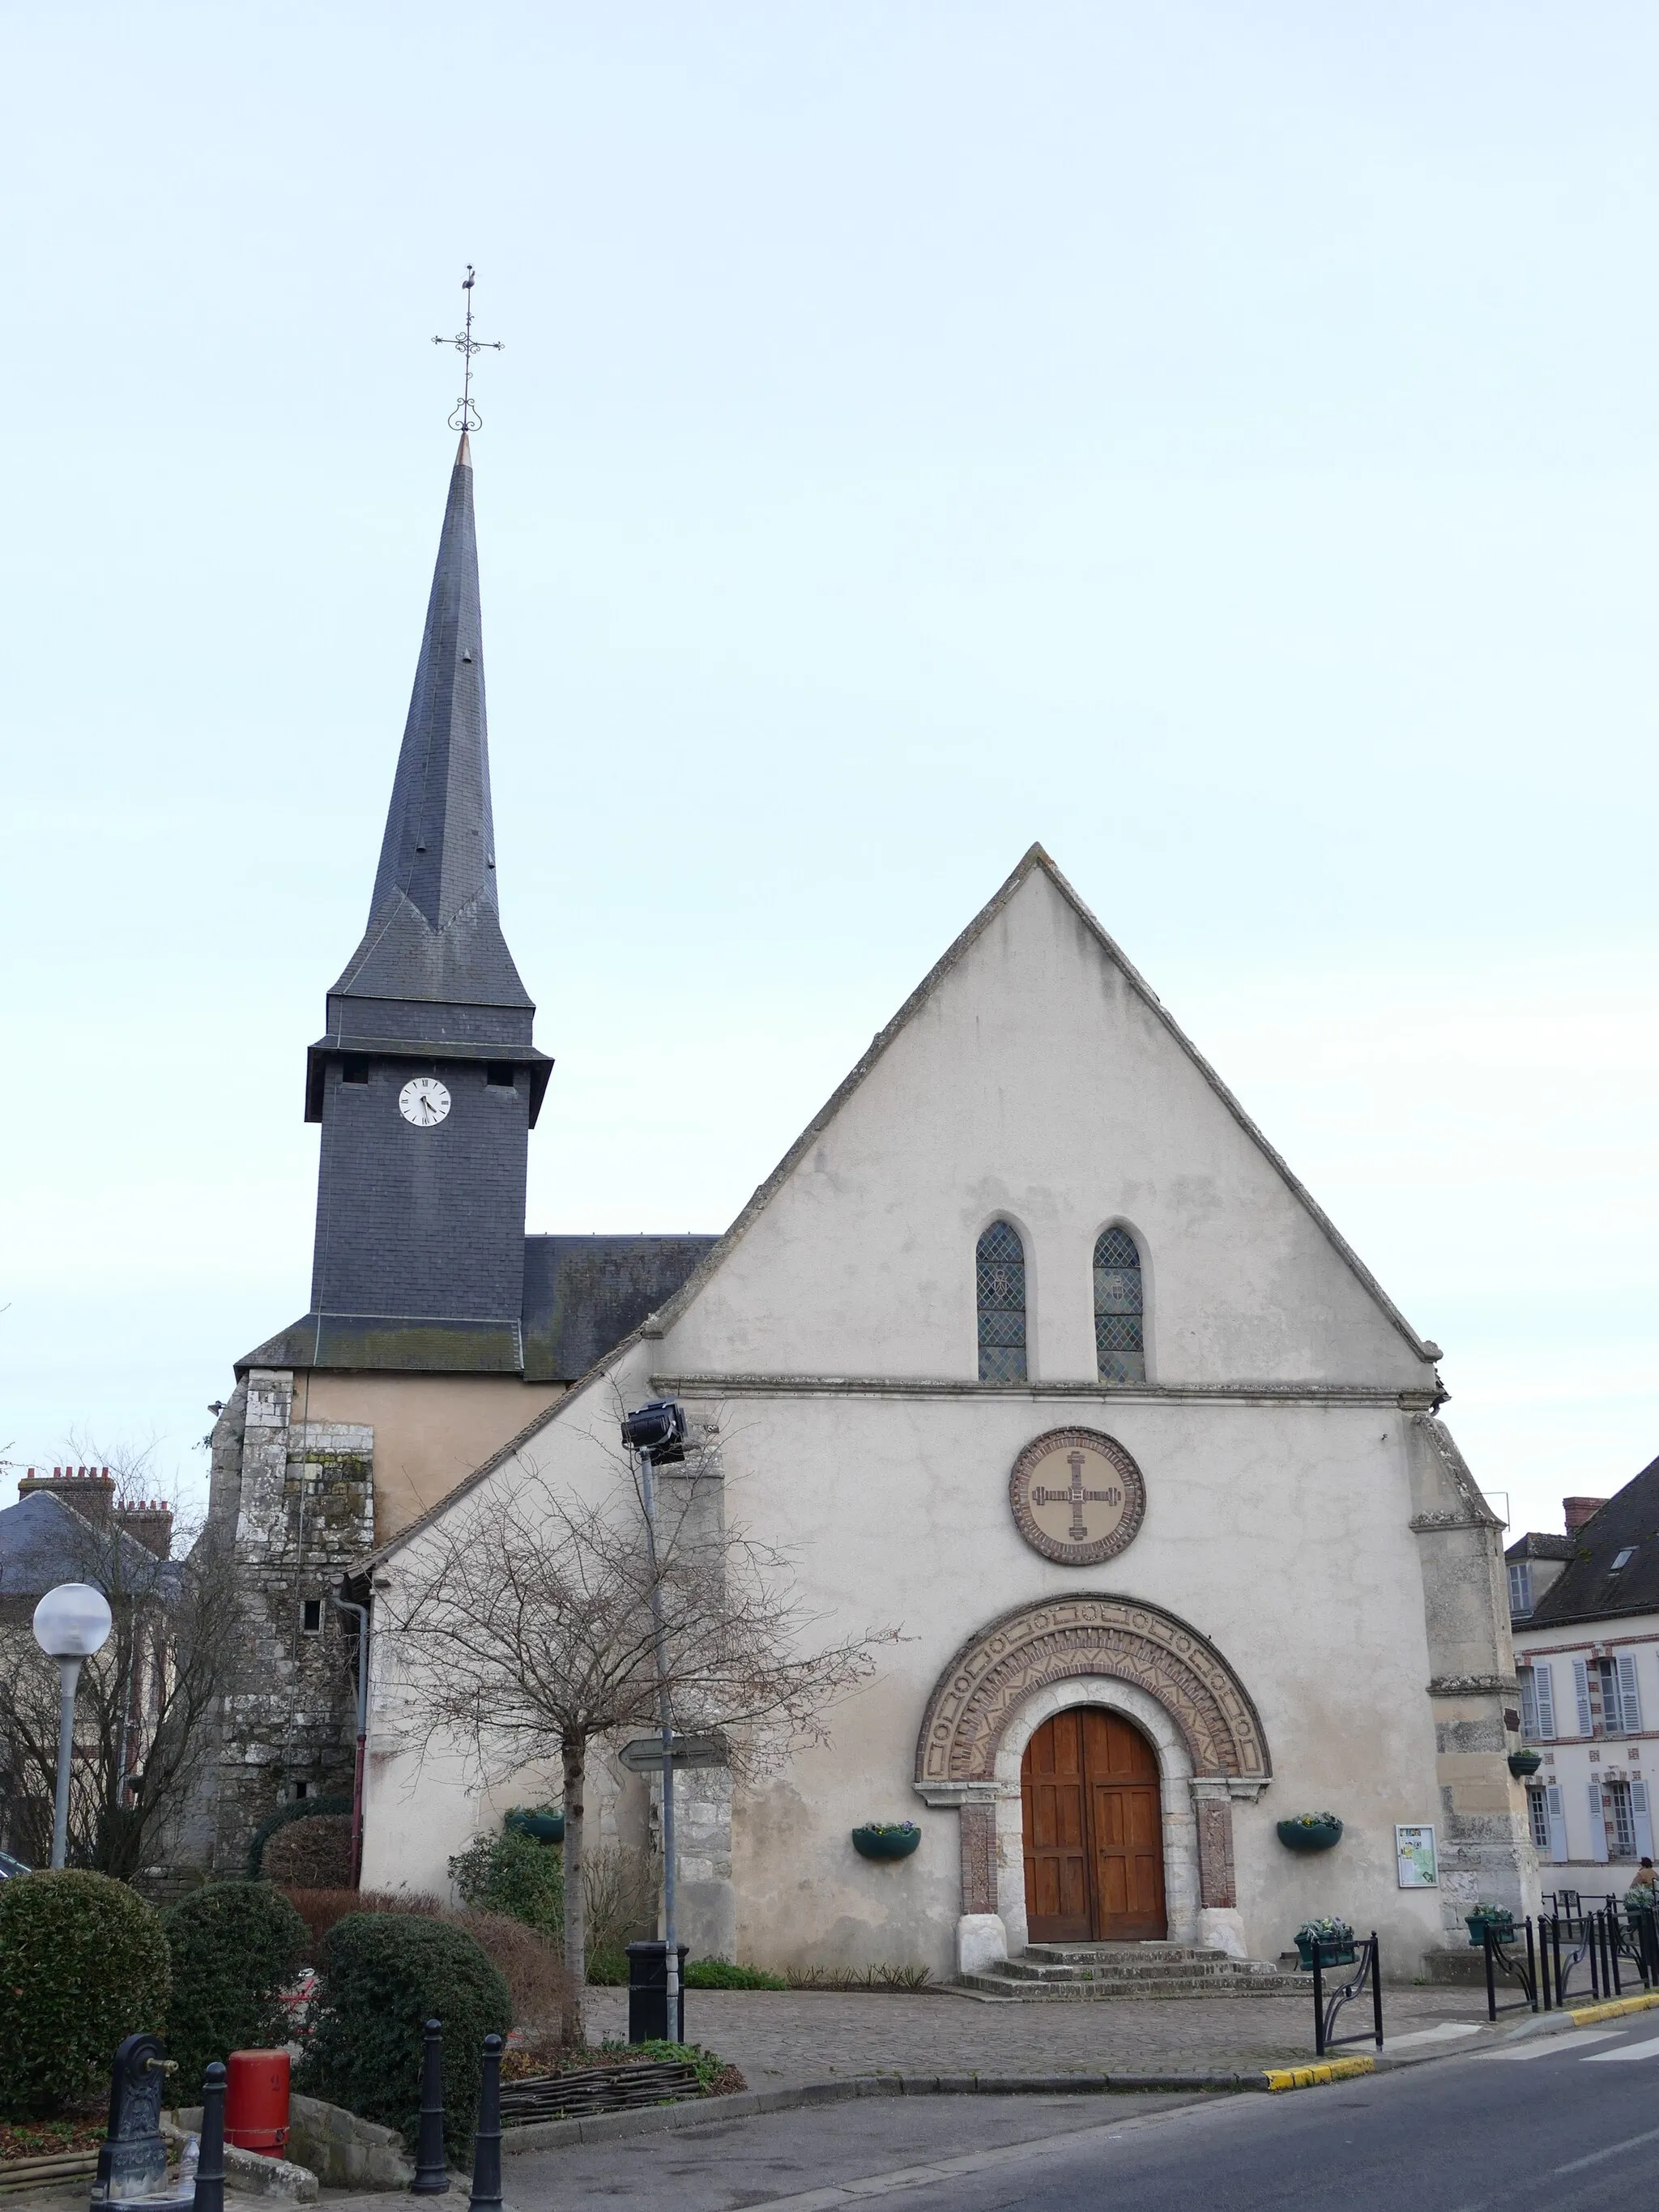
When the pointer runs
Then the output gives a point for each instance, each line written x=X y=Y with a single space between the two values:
x=1557 y=1822
x=1543 y=1691
x=1629 y=1704
x=1528 y=1706
x=1581 y=1686
x=1598 y=1826
x=1643 y=1818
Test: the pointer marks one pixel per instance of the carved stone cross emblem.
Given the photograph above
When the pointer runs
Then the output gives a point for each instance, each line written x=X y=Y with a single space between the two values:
x=1078 y=1497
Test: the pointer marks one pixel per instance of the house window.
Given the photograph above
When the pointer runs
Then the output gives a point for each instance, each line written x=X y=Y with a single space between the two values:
x=310 y=1616
x=1537 y=1813
x=1537 y=1703
x=1621 y=1827
x=1622 y=1558
x=1120 y=1345
x=1520 y=1589
x=302 y=1790
x=1621 y=1707
x=999 y=1277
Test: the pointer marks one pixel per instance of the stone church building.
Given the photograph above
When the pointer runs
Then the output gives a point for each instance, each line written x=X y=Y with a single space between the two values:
x=1031 y=1348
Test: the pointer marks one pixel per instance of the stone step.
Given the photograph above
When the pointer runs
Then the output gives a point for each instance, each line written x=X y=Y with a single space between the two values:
x=1060 y=1972
x=1012 y=1989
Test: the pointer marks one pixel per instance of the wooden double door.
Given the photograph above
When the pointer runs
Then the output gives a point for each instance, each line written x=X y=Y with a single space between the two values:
x=1094 y=1830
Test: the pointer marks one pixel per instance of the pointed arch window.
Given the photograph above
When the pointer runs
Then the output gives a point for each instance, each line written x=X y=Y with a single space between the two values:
x=1000 y=1278
x=1120 y=1342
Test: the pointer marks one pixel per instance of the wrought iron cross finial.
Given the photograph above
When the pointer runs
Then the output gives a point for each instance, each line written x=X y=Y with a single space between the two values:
x=465 y=416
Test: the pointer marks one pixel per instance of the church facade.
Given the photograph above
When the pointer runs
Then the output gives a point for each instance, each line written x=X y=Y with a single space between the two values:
x=1032 y=1350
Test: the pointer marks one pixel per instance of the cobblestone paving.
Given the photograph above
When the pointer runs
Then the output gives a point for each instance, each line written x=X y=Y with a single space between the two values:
x=779 y=2037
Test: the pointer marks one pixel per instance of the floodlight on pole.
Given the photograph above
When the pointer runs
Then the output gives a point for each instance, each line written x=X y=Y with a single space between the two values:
x=656 y=1433
x=71 y=1623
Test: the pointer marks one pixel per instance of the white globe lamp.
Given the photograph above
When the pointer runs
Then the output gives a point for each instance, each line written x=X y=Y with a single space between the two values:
x=71 y=1623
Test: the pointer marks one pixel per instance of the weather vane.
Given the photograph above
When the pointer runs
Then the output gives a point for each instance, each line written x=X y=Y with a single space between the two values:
x=466 y=415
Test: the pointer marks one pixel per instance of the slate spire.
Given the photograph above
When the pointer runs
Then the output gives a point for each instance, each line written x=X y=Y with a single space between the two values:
x=434 y=932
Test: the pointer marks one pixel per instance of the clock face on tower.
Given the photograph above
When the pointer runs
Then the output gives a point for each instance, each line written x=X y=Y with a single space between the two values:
x=424 y=1101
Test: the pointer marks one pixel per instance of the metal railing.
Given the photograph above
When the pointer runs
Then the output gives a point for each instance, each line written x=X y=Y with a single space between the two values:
x=1326 y=1954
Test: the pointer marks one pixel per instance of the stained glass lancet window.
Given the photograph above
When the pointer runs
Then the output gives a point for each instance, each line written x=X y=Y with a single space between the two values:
x=1119 y=1346
x=999 y=1275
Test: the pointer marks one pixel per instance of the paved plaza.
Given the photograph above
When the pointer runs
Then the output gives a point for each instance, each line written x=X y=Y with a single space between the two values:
x=782 y=2037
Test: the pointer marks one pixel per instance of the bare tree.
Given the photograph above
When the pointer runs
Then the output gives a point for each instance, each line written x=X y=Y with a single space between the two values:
x=143 y=1705
x=522 y=1628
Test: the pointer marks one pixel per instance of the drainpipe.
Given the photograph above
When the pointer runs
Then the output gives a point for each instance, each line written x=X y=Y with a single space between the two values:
x=346 y=1605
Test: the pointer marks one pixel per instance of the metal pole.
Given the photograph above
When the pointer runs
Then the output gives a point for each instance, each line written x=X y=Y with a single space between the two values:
x=665 y=1720
x=1376 y=1989
x=1532 y=1964
x=68 y=1673
x=431 y=2166
x=1319 y=2001
x=1491 y=1990
x=210 y=2162
x=487 y=2142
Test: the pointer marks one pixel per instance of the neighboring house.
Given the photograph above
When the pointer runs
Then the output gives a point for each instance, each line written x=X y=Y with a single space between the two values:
x=1584 y=1615
x=69 y=1527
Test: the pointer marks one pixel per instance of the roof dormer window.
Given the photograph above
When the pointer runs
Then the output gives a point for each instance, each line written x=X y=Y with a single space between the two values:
x=1622 y=1558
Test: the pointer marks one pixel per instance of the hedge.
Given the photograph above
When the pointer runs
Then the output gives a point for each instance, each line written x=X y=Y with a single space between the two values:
x=383 y=1976
x=311 y=1854
x=300 y=1809
x=85 y=1964
x=235 y=1947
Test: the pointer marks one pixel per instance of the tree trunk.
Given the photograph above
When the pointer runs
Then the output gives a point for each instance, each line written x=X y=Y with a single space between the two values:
x=574 y=1749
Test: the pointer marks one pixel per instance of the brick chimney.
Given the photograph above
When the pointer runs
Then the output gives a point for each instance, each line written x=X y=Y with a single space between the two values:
x=150 y=1523
x=89 y=1489
x=1580 y=1509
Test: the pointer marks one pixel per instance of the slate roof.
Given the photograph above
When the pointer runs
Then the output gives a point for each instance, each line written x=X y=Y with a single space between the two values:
x=1590 y=1588
x=582 y=1296
x=44 y=1541
x=433 y=974
x=1536 y=1544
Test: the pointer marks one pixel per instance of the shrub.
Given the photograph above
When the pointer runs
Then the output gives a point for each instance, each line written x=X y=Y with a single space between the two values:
x=86 y=1964
x=235 y=1947
x=530 y=1967
x=514 y=1874
x=311 y=1854
x=302 y=1809
x=320 y=1909
x=383 y=1975
x=607 y=1967
x=721 y=1974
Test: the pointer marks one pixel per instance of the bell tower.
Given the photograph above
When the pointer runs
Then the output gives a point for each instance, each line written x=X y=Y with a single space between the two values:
x=426 y=1080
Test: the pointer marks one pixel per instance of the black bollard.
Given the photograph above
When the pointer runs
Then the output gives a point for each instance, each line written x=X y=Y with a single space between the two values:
x=431 y=2167
x=211 y=2168
x=487 y=2143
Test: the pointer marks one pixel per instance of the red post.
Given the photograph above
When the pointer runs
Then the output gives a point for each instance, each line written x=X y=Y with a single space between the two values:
x=257 y=2101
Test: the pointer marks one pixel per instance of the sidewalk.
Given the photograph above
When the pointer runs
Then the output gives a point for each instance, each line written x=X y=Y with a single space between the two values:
x=782 y=2039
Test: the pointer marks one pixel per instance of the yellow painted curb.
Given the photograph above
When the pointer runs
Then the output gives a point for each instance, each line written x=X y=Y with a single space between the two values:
x=1310 y=2077
x=1615 y=2008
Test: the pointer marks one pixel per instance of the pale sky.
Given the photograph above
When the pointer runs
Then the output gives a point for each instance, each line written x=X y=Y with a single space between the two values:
x=1217 y=441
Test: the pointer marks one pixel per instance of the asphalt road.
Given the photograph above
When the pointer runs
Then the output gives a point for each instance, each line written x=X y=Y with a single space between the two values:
x=1568 y=2122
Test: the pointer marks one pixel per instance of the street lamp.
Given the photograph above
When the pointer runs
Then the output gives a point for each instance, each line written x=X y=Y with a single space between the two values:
x=657 y=1431
x=71 y=1623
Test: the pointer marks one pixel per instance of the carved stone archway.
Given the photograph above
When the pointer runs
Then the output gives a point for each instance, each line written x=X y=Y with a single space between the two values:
x=1031 y=1654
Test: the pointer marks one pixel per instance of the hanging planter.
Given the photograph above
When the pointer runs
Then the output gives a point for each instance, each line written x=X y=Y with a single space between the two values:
x=1523 y=1762
x=538 y=1822
x=883 y=1839
x=1310 y=1831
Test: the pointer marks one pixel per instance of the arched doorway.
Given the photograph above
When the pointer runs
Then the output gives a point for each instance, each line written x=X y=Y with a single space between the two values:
x=1094 y=1830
